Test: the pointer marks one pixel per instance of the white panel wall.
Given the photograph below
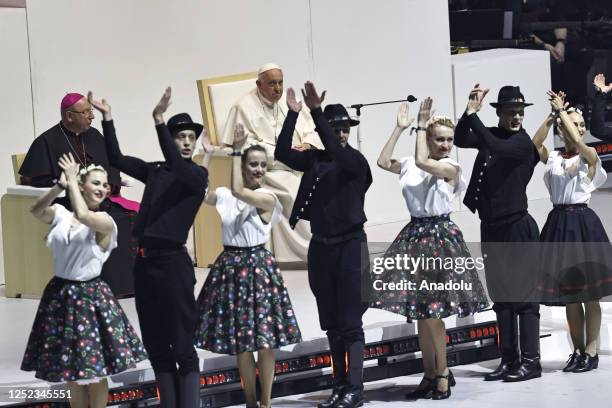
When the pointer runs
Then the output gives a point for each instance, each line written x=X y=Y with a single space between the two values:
x=493 y=69
x=16 y=107
x=129 y=51
x=366 y=52
x=357 y=50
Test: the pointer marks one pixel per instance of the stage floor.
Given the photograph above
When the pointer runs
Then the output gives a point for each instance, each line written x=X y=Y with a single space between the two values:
x=555 y=388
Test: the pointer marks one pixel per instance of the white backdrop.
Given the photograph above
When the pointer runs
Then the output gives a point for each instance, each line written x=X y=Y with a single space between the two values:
x=128 y=52
x=16 y=106
x=363 y=53
x=528 y=69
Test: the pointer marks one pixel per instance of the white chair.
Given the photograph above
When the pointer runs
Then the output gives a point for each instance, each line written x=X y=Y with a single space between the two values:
x=217 y=96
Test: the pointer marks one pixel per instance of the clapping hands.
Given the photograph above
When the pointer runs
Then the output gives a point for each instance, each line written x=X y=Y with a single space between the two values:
x=600 y=83
x=70 y=169
x=477 y=95
x=557 y=100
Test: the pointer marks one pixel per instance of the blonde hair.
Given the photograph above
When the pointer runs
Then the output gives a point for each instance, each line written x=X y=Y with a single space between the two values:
x=439 y=121
x=84 y=171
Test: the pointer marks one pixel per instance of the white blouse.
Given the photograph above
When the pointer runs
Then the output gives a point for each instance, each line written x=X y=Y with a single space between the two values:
x=242 y=225
x=427 y=195
x=76 y=254
x=567 y=179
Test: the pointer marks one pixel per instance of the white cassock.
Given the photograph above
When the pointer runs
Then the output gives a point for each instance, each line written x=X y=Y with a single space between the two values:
x=263 y=121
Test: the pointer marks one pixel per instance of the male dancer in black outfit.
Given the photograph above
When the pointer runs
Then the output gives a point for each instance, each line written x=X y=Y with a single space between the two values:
x=164 y=275
x=504 y=165
x=331 y=196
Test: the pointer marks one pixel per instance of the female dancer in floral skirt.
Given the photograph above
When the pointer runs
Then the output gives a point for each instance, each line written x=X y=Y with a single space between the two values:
x=80 y=333
x=430 y=181
x=244 y=306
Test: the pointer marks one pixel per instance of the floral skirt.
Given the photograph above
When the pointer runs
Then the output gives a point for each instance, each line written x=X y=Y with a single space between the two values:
x=442 y=285
x=244 y=305
x=80 y=332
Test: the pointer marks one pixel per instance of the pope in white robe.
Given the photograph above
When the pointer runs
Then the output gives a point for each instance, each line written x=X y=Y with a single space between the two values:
x=262 y=112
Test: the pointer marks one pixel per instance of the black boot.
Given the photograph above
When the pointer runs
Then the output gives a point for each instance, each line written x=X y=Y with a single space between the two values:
x=352 y=398
x=587 y=363
x=167 y=384
x=354 y=375
x=353 y=392
x=529 y=368
x=572 y=361
x=338 y=355
x=189 y=388
x=335 y=396
x=503 y=369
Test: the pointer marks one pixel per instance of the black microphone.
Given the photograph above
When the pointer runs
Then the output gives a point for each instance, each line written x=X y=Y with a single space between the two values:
x=358 y=106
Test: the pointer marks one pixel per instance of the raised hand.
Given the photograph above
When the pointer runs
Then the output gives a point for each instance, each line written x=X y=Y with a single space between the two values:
x=206 y=143
x=69 y=167
x=240 y=137
x=292 y=102
x=311 y=97
x=477 y=95
x=425 y=112
x=102 y=106
x=403 y=119
x=557 y=100
x=600 y=83
x=162 y=106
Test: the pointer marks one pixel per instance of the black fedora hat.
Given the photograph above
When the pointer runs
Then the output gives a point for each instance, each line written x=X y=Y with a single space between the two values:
x=337 y=116
x=510 y=95
x=182 y=121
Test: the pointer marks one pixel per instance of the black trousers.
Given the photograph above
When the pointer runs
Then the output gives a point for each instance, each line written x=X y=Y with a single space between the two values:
x=513 y=317
x=166 y=308
x=335 y=278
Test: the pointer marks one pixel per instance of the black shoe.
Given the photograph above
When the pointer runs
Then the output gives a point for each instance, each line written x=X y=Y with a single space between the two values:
x=440 y=395
x=335 y=396
x=528 y=369
x=423 y=393
x=351 y=399
x=572 y=361
x=500 y=371
x=587 y=363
